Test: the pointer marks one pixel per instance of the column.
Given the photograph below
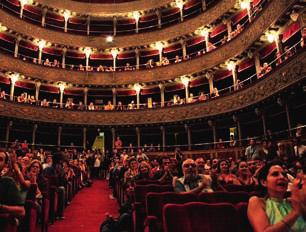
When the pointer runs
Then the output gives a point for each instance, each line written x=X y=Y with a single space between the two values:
x=138 y=137
x=158 y=17
x=41 y=45
x=17 y=41
x=162 y=95
x=114 y=53
x=288 y=118
x=184 y=50
x=163 y=134
x=114 y=96
x=229 y=28
x=66 y=15
x=237 y=120
x=43 y=17
x=233 y=67
x=7 y=133
x=138 y=98
x=206 y=35
x=212 y=124
x=14 y=78
x=210 y=78
x=34 y=135
x=37 y=88
x=113 y=137
x=85 y=96
x=188 y=131
x=257 y=64
x=114 y=26
x=180 y=5
x=64 y=51
x=84 y=137
x=137 y=53
x=136 y=15
x=62 y=88
x=260 y=114
x=185 y=81
x=88 y=25
x=59 y=135
x=204 y=5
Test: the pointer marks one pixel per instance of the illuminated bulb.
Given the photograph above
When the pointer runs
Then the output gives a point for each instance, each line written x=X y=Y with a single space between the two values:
x=61 y=87
x=66 y=14
x=136 y=15
x=245 y=4
x=179 y=3
x=87 y=51
x=109 y=39
x=114 y=53
x=14 y=77
x=41 y=44
x=159 y=45
x=185 y=80
x=231 y=65
x=137 y=88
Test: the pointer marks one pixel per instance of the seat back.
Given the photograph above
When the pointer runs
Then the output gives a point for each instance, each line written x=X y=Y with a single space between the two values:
x=242 y=209
x=156 y=201
x=244 y=188
x=199 y=217
x=142 y=190
x=8 y=223
x=224 y=197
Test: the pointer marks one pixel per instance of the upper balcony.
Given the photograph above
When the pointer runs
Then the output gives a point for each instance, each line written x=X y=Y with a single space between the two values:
x=99 y=41
x=218 y=56
x=283 y=77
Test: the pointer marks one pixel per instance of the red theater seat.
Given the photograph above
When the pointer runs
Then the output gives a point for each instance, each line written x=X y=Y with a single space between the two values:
x=224 y=197
x=199 y=217
x=155 y=203
x=8 y=223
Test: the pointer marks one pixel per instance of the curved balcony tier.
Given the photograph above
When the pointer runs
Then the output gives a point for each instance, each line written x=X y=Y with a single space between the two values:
x=285 y=76
x=233 y=48
x=136 y=40
x=107 y=8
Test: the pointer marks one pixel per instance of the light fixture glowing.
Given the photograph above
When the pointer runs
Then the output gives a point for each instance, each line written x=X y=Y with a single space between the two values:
x=272 y=36
x=14 y=77
x=179 y=4
x=109 y=39
x=204 y=32
x=62 y=87
x=41 y=44
x=2 y=28
x=136 y=15
x=185 y=80
x=245 y=4
x=137 y=88
x=159 y=46
x=231 y=65
x=66 y=14
x=114 y=52
x=87 y=51
x=25 y=2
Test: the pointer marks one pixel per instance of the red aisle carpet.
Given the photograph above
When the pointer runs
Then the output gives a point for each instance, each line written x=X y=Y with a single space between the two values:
x=87 y=209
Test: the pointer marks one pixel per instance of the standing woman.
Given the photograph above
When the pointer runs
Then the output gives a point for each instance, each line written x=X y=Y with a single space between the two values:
x=276 y=212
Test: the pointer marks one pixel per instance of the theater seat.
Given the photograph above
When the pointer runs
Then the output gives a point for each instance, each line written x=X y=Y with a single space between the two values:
x=244 y=188
x=199 y=217
x=242 y=209
x=154 y=207
x=8 y=223
x=224 y=197
x=139 y=204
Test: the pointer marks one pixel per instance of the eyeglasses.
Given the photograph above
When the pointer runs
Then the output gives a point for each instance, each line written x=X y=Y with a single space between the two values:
x=189 y=165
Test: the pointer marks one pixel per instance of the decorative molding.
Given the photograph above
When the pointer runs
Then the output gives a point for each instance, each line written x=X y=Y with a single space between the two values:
x=235 y=47
x=282 y=78
x=55 y=37
x=98 y=8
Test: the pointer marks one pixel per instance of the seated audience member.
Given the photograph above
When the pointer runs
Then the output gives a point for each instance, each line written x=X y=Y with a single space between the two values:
x=128 y=67
x=54 y=104
x=56 y=64
x=215 y=93
x=131 y=105
x=244 y=175
x=202 y=97
x=266 y=68
x=81 y=67
x=191 y=99
x=44 y=103
x=119 y=106
x=31 y=99
x=3 y=95
x=177 y=59
x=150 y=64
x=224 y=176
x=109 y=106
x=288 y=52
x=47 y=62
x=232 y=142
x=276 y=212
x=10 y=199
x=144 y=171
x=81 y=106
x=165 y=61
x=191 y=182
x=91 y=106
x=100 y=68
x=21 y=98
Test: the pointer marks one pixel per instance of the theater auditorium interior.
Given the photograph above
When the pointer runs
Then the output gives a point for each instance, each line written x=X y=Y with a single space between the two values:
x=152 y=116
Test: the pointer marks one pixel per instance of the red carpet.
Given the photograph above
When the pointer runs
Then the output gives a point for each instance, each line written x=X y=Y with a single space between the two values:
x=87 y=210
